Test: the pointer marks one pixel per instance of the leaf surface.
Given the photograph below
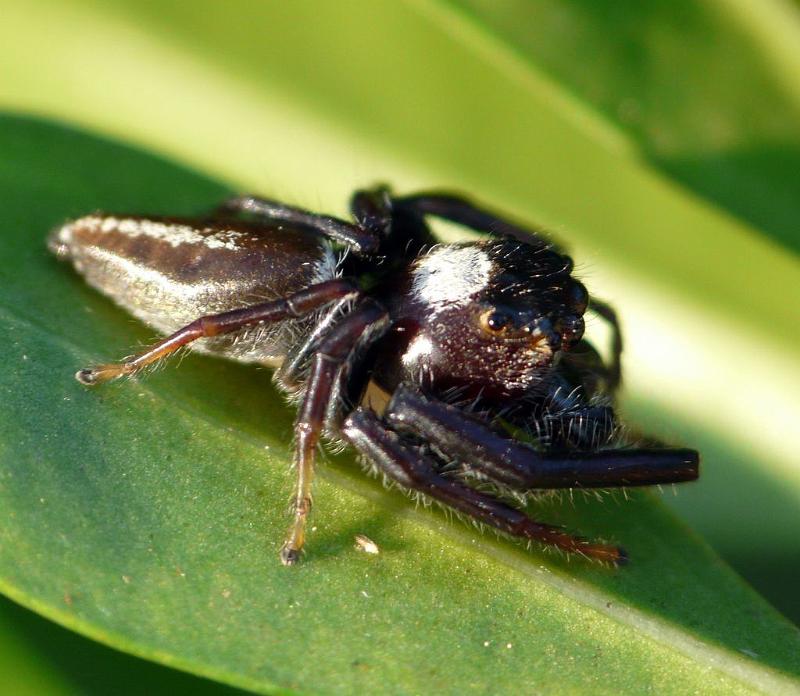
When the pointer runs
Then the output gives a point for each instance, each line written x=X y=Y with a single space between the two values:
x=305 y=102
x=147 y=514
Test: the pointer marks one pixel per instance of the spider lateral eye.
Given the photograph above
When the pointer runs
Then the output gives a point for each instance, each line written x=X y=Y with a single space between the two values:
x=571 y=329
x=495 y=320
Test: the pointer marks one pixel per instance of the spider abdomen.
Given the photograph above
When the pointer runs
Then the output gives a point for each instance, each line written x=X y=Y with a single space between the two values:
x=169 y=271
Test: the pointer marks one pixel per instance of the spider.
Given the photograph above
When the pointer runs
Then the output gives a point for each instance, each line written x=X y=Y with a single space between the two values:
x=428 y=358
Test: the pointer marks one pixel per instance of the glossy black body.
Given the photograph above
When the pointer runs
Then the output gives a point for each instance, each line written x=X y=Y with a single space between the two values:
x=472 y=340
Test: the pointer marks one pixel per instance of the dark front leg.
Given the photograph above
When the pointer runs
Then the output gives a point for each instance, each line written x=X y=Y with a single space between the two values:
x=415 y=472
x=586 y=428
x=359 y=239
x=329 y=359
x=521 y=467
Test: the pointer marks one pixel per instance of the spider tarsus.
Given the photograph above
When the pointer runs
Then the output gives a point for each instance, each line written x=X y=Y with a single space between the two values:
x=614 y=555
x=289 y=555
x=91 y=376
x=87 y=376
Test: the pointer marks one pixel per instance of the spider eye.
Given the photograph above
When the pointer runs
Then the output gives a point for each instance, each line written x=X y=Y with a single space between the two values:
x=578 y=297
x=571 y=330
x=495 y=321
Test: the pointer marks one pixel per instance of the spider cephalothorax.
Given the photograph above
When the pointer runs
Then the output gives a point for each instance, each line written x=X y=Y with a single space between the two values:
x=487 y=318
x=497 y=323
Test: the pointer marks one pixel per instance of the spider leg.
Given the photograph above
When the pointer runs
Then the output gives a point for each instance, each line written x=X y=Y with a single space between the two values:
x=288 y=373
x=583 y=428
x=463 y=212
x=372 y=209
x=416 y=472
x=402 y=228
x=521 y=467
x=329 y=359
x=291 y=307
x=361 y=240
x=607 y=312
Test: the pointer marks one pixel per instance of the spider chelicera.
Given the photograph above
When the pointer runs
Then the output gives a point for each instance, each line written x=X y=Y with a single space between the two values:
x=467 y=342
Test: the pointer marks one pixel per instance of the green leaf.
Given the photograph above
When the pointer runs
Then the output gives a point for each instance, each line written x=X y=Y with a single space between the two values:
x=707 y=92
x=31 y=673
x=38 y=657
x=148 y=514
x=307 y=103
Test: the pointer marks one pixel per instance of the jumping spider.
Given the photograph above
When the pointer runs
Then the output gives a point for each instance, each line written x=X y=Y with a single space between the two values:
x=467 y=342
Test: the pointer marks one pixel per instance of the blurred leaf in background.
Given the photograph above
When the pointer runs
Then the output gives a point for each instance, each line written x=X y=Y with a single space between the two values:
x=708 y=92
x=657 y=139
x=39 y=657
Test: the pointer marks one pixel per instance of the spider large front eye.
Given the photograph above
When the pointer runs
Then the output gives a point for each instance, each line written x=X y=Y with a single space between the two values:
x=495 y=321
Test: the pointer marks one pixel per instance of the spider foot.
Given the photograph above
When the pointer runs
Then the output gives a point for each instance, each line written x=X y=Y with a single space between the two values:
x=89 y=376
x=296 y=536
x=556 y=536
x=289 y=555
x=615 y=555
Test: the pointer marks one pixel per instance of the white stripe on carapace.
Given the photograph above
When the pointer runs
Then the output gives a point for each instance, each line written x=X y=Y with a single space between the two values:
x=174 y=234
x=449 y=276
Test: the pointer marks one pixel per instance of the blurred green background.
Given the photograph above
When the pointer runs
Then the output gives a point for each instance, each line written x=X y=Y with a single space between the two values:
x=659 y=140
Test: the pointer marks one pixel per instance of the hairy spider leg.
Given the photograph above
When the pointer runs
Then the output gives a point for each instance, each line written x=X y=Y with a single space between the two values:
x=402 y=229
x=361 y=240
x=372 y=209
x=288 y=374
x=291 y=307
x=607 y=312
x=523 y=468
x=376 y=220
x=329 y=359
x=414 y=471
x=461 y=211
